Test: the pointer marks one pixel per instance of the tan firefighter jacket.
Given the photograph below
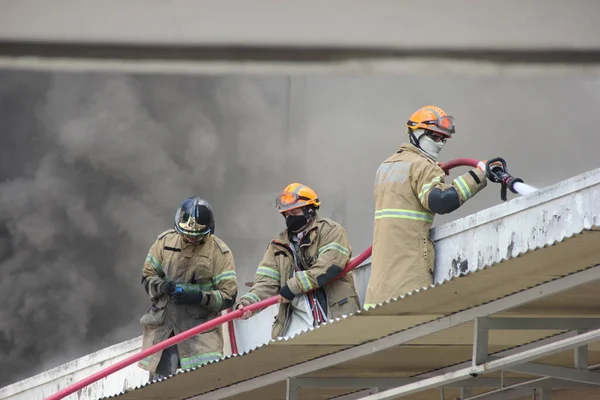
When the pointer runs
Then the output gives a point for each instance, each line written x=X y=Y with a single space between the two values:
x=403 y=254
x=209 y=265
x=325 y=251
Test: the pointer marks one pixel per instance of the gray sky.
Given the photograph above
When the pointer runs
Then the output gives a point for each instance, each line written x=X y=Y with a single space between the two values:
x=92 y=168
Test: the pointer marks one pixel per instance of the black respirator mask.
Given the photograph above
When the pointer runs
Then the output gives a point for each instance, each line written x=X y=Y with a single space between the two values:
x=296 y=222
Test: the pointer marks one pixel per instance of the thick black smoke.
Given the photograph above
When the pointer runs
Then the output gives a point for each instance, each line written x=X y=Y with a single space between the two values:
x=92 y=169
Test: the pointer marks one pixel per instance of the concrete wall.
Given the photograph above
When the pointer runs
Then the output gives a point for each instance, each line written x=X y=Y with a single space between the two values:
x=344 y=23
x=200 y=36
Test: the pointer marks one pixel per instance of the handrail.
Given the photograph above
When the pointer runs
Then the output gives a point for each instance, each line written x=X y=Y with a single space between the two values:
x=232 y=338
x=230 y=316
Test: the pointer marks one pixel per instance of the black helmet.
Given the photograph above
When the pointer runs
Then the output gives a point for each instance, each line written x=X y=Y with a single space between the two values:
x=195 y=218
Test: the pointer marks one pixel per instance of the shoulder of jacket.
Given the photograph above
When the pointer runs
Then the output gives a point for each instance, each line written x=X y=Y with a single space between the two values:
x=280 y=238
x=396 y=157
x=221 y=244
x=423 y=162
x=165 y=233
x=329 y=224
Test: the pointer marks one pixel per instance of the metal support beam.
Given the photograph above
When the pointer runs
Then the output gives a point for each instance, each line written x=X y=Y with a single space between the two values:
x=482 y=326
x=511 y=301
x=494 y=365
x=546 y=394
x=509 y=394
x=515 y=391
x=552 y=371
x=358 y=395
x=503 y=353
x=539 y=323
x=350 y=382
x=480 y=341
x=292 y=390
x=581 y=356
x=479 y=382
x=465 y=392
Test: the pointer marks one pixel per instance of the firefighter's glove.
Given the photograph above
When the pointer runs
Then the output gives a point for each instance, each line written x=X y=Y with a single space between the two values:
x=187 y=297
x=494 y=167
x=167 y=287
x=481 y=165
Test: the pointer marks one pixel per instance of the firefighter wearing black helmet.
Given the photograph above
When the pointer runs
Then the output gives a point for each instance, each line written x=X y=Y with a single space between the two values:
x=189 y=275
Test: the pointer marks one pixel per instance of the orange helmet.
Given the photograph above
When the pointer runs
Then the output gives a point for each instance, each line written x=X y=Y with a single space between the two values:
x=296 y=195
x=432 y=118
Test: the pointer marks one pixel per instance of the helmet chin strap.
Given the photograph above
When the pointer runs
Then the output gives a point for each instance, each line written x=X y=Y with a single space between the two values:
x=413 y=139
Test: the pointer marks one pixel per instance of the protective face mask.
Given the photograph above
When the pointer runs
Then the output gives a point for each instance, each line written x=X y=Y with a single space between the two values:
x=430 y=147
x=295 y=222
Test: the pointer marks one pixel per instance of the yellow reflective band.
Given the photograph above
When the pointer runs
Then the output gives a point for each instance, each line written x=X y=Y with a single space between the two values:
x=334 y=246
x=197 y=360
x=463 y=186
x=268 y=272
x=252 y=297
x=427 y=187
x=305 y=284
x=403 y=214
x=218 y=298
x=224 y=276
x=146 y=361
x=156 y=265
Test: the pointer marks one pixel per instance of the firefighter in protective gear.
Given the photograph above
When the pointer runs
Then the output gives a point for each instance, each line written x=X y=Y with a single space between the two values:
x=409 y=191
x=189 y=275
x=300 y=264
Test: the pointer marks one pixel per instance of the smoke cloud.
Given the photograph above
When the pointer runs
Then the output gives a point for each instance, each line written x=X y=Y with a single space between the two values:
x=93 y=166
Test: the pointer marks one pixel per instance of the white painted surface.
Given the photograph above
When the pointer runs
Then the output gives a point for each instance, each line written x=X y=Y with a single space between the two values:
x=482 y=239
x=49 y=382
x=518 y=226
x=255 y=331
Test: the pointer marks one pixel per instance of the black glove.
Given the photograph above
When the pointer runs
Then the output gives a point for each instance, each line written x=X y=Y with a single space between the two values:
x=187 y=297
x=167 y=287
x=286 y=293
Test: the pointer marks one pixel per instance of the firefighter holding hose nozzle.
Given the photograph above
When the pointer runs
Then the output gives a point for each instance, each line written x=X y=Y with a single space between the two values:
x=409 y=191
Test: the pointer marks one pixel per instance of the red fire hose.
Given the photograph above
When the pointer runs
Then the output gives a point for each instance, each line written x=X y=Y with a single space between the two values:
x=229 y=317
x=460 y=162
